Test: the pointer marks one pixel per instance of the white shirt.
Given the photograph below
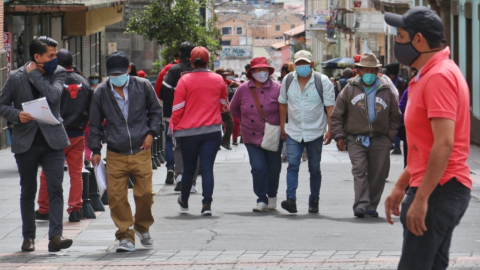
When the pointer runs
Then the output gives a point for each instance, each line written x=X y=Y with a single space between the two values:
x=306 y=116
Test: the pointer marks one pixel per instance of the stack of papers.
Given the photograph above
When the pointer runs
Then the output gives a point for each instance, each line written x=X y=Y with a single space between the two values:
x=101 y=176
x=40 y=110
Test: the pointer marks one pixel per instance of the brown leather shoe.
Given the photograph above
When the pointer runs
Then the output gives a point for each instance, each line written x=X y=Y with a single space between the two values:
x=28 y=244
x=58 y=243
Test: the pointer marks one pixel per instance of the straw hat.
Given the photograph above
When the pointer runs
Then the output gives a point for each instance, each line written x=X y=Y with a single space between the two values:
x=368 y=60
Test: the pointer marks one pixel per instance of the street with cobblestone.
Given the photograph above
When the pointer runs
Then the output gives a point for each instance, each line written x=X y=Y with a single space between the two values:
x=236 y=237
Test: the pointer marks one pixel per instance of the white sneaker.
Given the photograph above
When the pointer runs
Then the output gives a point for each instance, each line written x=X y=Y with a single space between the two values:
x=145 y=239
x=272 y=203
x=178 y=183
x=125 y=246
x=193 y=190
x=260 y=207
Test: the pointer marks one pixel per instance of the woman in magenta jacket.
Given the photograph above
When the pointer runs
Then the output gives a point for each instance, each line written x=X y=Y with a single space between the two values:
x=266 y=165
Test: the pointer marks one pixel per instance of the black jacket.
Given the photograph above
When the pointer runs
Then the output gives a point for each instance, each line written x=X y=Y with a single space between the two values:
x=75 y=101
x=124 y=136
x=170 y=83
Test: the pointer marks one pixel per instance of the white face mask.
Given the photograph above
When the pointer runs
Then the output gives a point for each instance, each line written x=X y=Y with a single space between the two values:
x=261 y=76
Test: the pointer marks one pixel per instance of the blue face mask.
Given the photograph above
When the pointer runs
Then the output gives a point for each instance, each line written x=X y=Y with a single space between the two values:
x=303 y=70
x=50 y=66
x=369 y=78
x=119 y=80
x=95 y=81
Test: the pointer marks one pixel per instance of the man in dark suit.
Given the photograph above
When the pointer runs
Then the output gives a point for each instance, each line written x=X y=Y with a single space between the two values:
x=35 y=143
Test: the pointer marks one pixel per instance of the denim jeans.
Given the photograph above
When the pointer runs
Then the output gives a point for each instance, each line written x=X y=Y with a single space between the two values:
x=266 y=166
x=396 y=143
x=205 y=147
x=294 y=156
x=168 y=149
x=52 y=164
x=446 y=207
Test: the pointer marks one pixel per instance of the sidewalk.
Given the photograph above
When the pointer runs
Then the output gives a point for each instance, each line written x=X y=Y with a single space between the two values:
x=235 y=237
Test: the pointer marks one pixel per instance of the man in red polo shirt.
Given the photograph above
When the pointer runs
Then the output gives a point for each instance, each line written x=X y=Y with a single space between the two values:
x=437 y=122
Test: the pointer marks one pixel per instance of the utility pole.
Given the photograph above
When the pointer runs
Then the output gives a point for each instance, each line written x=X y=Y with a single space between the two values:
x=305 y=22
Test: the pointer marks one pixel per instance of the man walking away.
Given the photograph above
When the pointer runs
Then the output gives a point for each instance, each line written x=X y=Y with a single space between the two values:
x=167 y=94
x=133 y=117
x=75 y=110
x=392 y=70
x=308 y=97
x=227 y=117
x=437 y=121
x=366 y=118
x=347 y=74
x=35 y=143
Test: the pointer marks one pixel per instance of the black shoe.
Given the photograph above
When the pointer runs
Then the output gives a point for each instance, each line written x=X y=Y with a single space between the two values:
x=207 y=210
x=183 y=205
x=235 y=143
x=226 y=146
x=290 y=205
x=75 y=216
x=170 y=177
x=241 y=139
x=396 y=152
x=360 y=212
x=178 y=186
x=313 y=207
x=41 y=217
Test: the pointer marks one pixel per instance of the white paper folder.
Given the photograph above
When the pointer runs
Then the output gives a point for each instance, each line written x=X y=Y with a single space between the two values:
x=40 y=110
x=101 y=176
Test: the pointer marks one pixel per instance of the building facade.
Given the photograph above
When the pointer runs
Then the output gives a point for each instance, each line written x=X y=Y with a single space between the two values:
x=462 y=34
x=4 y=68
x=141 y=52
x=77 y=26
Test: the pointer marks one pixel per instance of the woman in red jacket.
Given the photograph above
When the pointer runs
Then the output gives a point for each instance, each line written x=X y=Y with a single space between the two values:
x=197 y=123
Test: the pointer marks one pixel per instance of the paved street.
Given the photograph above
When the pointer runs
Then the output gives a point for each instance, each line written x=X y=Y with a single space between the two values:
x=235 y=237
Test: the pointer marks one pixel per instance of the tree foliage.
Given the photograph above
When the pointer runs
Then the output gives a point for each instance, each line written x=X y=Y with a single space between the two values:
x=171 y=22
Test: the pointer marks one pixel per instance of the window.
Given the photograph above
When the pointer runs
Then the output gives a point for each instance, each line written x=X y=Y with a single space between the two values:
x=239 y=30
x=469 y=43
x=292 y=26
x=226 y=42
x=226 y=30
x=277 y=27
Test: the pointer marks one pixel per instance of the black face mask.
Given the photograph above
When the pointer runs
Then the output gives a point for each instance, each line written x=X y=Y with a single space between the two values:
x=406 y=54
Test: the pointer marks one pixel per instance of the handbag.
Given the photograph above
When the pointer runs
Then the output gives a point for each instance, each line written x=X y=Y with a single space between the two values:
x=271 y=135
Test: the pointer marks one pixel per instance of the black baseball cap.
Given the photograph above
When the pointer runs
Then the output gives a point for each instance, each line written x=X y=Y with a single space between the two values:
x=64 y=57
x=117 y=62
x=421 y=19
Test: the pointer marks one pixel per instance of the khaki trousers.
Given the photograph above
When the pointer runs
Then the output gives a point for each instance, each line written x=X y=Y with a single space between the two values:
x=370 y=168
x=119 y=168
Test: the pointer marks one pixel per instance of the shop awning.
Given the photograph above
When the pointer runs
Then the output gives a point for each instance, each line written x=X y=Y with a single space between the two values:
x=84 y=23
x=339 y=63
x=82 y=18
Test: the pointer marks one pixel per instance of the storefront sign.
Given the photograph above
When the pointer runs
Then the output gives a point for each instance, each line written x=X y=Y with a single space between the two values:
x=112 y=47
x=7 y=45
